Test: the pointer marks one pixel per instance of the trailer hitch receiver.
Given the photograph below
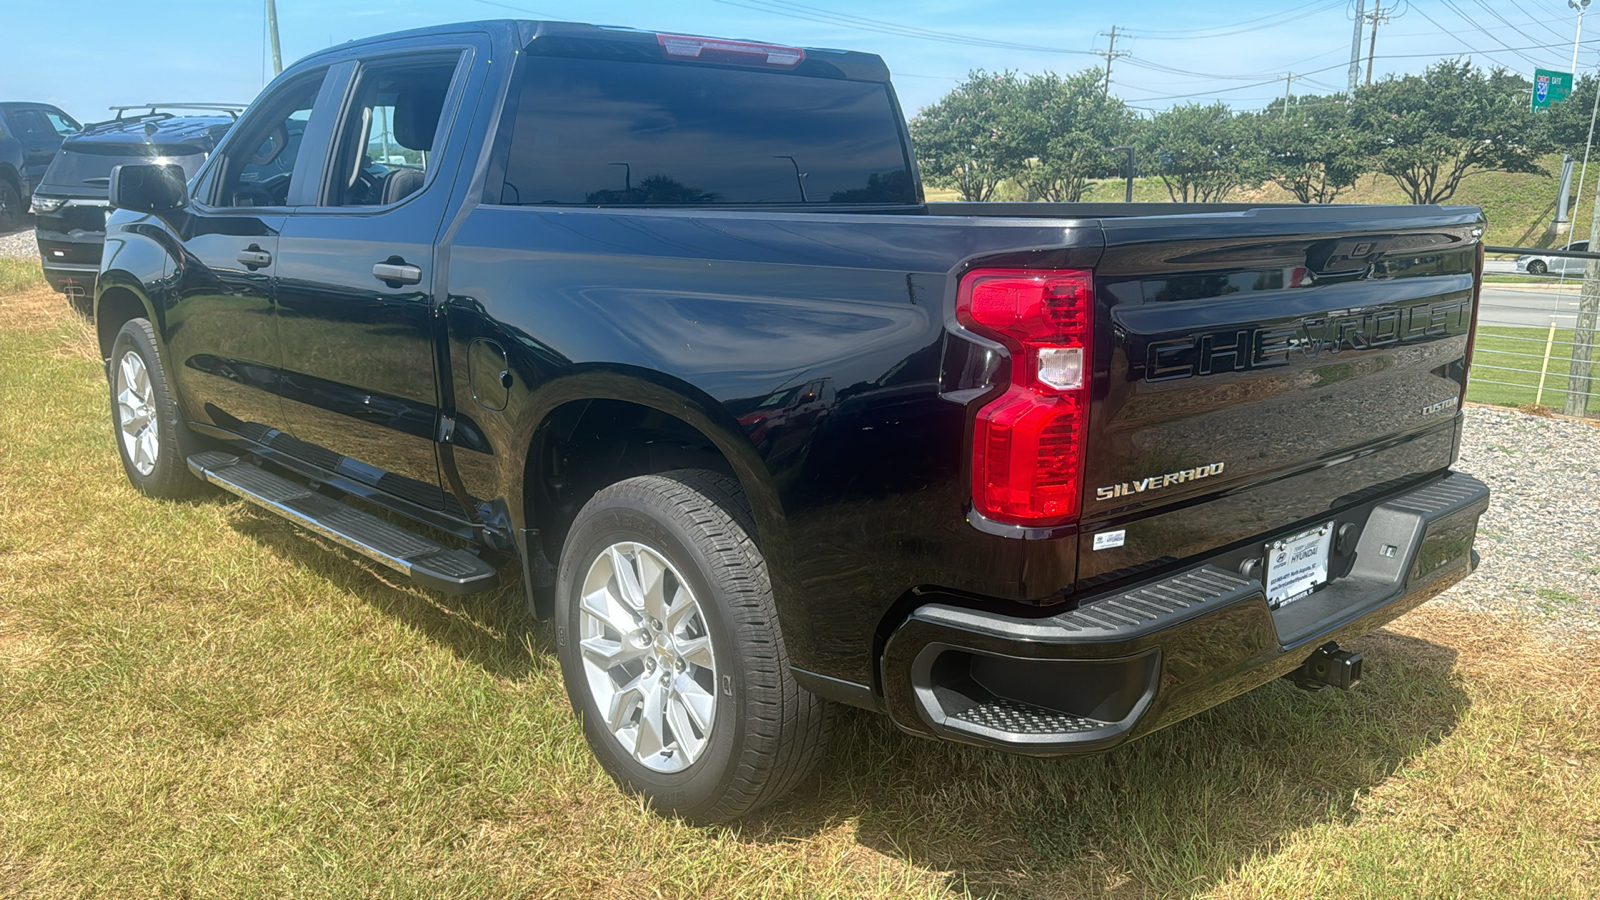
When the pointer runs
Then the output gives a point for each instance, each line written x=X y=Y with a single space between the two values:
x=1328 y=666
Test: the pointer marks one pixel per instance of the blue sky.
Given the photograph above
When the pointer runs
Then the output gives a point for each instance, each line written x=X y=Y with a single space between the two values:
x=85 y=55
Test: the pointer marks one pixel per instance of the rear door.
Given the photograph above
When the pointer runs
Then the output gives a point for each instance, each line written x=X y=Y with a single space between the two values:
x=1262 y=368
x=356 y=273
x=1569 y=266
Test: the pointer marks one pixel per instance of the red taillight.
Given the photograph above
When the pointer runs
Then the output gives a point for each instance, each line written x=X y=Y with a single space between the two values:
x=1027 y=447
x=686 y=46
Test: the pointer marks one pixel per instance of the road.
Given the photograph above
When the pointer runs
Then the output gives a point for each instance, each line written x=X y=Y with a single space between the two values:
x=1506 y=305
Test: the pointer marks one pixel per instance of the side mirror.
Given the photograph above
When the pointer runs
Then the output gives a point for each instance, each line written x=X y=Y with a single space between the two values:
x=149 y=188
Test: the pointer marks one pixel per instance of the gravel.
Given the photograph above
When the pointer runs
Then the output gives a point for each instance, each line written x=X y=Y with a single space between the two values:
x=19 y=245
x=1540 y=539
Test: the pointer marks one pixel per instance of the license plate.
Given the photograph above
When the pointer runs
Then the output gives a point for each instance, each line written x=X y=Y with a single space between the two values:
x=1296 y=565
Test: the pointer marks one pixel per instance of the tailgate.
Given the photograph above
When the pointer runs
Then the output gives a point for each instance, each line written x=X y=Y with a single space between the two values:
x=1264 y=368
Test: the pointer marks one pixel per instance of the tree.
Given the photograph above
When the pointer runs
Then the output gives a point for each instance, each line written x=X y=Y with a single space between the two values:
x=1566 y=124
x=970 y=139
x=1453 y=121
x=1066 y=122
x=1200 y=152
x=1313 y=149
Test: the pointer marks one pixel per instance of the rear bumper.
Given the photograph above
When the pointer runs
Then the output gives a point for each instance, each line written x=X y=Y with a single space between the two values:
x=1134 y=660
x=71 y=260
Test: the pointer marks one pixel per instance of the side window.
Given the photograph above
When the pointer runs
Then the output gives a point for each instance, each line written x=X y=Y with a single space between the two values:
x=390 y=133
x=31 y=123
x=259 y=168
x=63 y=126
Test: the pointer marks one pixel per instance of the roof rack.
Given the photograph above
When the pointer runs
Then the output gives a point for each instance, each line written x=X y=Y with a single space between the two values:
x=232 y=109
x=154 y=113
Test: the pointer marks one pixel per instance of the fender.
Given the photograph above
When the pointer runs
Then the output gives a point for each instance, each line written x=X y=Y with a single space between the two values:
x=140 y=256
x=657 y=391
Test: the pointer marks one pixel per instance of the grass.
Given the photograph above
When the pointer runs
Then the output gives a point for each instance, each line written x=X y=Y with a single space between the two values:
x=1522 y=349
x=198 y=700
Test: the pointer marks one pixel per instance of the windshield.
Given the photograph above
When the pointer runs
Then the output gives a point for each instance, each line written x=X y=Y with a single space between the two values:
x=608 y=132
x=85 y=168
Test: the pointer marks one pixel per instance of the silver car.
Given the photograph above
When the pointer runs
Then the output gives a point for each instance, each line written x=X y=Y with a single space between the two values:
x=1534 y=264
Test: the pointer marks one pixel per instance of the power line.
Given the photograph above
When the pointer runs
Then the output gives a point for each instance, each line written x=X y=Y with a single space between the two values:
x=1486 y=32
x=1222 y=30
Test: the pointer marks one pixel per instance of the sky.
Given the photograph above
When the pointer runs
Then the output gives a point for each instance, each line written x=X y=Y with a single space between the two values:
x=85 y=55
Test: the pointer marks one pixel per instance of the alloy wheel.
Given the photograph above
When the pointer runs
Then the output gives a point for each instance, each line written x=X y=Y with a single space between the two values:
x=647 y=657
x=136 y=413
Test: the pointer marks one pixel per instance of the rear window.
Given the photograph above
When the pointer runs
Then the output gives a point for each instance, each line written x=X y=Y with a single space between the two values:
x=89 y=165
x=613 y=133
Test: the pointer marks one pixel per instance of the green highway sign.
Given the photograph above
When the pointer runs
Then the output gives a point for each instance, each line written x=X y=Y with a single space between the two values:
x=1550 y=87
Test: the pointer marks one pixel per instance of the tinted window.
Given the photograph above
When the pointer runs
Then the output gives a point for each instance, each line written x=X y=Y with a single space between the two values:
x=592 y=132
x=89 y=165
x=31 y=123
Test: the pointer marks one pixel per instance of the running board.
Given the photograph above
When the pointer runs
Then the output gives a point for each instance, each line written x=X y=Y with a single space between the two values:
x=429 y=563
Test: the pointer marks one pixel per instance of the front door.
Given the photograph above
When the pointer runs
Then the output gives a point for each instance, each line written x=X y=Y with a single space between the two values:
x=355 y=287
x=221 y=333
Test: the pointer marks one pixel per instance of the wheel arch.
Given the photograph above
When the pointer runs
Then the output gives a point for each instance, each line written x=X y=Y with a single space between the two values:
x=624 y=422
x=117 y=301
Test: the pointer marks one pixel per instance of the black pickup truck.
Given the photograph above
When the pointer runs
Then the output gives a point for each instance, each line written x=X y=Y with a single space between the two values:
x=662 y=326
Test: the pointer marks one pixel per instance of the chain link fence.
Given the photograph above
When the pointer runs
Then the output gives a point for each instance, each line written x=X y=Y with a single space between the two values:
x=1536 y=332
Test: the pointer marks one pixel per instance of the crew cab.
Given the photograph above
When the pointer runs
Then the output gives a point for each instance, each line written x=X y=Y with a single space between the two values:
x=662 y=327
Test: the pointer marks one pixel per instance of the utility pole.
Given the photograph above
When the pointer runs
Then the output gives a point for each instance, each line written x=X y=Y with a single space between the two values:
x=1372 y=48
x=1355 y=45
x=1110 y=53
x=1287 y=81
x=272 y=29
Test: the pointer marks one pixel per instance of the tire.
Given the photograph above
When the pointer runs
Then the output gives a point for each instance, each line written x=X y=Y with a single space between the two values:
x=150 y=435
x=11 y=210
x=749 y=733
x=1537 y=267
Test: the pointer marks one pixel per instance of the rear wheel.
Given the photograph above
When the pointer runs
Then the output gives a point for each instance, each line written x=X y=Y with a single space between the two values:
x=1537 y=267
x=670 y=648
x=151 y=437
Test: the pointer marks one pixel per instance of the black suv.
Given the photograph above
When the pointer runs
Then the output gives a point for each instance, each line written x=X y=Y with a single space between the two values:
x=30 y=133
x=69 y=205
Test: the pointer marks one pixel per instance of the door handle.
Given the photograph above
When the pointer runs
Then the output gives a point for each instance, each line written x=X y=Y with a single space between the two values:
x=396 y=272
x=253 y=257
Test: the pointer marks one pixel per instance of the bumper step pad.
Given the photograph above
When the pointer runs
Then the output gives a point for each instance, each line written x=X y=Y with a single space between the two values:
x=428 y=562
x=1011 y=717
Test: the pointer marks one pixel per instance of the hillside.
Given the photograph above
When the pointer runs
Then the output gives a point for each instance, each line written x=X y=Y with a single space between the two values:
x=1519 y=207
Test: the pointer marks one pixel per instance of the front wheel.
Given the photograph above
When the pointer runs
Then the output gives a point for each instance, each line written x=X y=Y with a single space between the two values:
x=151 y=437
x=1537 y=267
x=11 y=211
x=670 y=649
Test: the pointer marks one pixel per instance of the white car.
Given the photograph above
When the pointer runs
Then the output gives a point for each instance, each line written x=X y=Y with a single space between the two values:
x=1535 y=264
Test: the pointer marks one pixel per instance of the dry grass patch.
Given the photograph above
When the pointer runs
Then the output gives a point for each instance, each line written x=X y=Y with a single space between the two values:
x=216 y=705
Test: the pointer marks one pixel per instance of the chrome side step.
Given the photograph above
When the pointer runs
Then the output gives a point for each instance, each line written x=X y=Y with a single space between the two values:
x=429 y=563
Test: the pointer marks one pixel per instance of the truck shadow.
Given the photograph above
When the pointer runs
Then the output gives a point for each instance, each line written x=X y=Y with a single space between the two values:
x=1171 y=814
